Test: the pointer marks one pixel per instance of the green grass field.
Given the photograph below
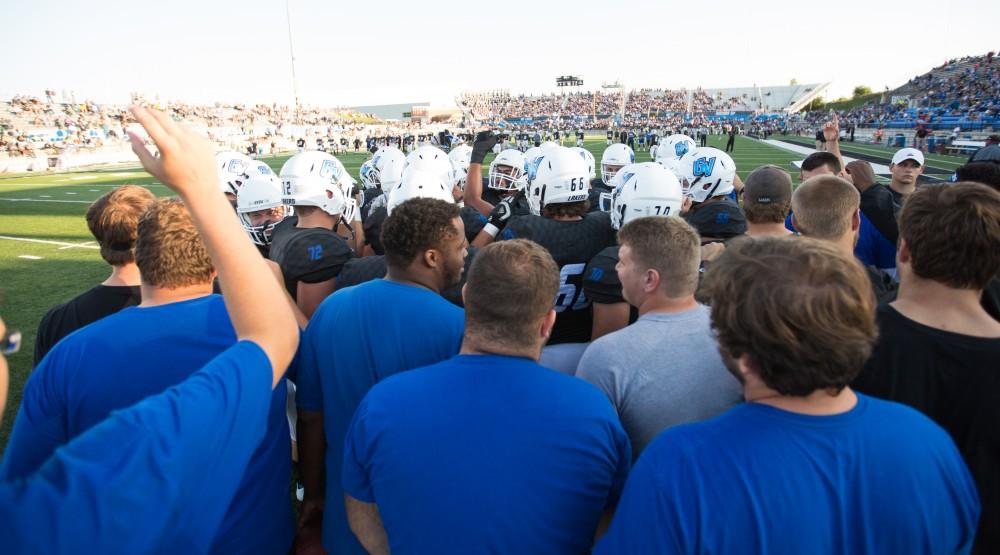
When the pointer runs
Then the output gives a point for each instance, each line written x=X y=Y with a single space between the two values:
x=47 y=255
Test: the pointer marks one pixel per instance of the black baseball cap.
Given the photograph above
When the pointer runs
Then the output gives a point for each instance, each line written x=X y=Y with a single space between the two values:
x=723 y=219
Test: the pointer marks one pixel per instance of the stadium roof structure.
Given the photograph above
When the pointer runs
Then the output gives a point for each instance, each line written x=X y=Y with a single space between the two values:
x=782 y=98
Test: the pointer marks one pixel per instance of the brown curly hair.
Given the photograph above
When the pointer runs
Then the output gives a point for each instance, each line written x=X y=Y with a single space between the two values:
x=415 y=226
x=169 y=251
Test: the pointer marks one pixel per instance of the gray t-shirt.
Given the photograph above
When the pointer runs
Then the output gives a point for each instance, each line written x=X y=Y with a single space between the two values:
x=661 y=371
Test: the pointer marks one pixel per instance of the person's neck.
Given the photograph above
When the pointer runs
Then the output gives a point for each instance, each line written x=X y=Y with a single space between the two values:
x=822 y=402
x=936 y=305
x=844 y=244
x=157 y=296
x=771 y=229
x=125 y=275
x=410 y=276
x=317 y=218
x=473 y=346
x=902 y=189
x=662 y=304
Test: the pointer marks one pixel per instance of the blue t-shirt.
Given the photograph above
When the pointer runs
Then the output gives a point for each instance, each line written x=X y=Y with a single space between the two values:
x=358 y=337
x=487 y=454
x=128 y=356
x=153 y=478
x=880 y=478
x=872 y=248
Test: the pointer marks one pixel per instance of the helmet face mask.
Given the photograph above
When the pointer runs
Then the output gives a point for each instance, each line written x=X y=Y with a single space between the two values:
x=259 y=206
x=507 y=171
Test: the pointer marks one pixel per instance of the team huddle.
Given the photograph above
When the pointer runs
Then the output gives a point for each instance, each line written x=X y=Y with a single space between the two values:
x=551 y=354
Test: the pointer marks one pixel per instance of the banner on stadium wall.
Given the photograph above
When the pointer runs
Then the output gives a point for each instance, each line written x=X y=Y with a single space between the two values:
x=900 y=99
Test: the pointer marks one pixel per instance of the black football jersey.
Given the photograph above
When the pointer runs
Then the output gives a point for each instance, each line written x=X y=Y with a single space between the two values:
x=597 y=189
x=601 y=283
x=309 y=255
x=572 y=244
x=473 y=220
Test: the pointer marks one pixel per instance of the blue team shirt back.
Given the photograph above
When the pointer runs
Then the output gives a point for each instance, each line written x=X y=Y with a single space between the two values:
x=880 y=478
x=128 y=356
x=358 y=337
x=487 y=454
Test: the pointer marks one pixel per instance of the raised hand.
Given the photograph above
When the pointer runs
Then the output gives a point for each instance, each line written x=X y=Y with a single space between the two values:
x=831 y=130
x=485 y=141
x=186 y=162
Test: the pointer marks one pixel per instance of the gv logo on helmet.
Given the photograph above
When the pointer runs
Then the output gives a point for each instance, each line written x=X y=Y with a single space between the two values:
x=681 y=149
x=703 y=167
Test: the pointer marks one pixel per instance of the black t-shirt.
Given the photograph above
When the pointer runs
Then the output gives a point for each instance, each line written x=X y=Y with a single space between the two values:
x=572 y=244
x=877 y=204
x=361 y=270
x=820 y=136
x=86 y=308
x=955 y=380
x=373 y=228
x=922 y=133
x=883 y=285
x=991 y=298
x=309 y=255
x=597 y=188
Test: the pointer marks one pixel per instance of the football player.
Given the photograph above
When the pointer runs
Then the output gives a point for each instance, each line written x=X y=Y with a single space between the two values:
x=614 y=158
x=260 y=208
x=505 y=178
x=708 y=178
x=675 y=147
x=306 y=246
x=561 y=222
x=646 y=189
x=232 y=168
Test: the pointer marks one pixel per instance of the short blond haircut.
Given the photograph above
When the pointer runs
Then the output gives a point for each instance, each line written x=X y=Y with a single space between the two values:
x=668 y=245
x=823 y=206
x=169 y=251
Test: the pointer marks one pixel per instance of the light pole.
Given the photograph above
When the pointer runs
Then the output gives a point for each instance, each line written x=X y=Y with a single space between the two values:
x=291 y=54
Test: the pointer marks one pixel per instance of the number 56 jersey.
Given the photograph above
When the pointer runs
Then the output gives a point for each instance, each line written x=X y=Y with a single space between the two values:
x=572 y=244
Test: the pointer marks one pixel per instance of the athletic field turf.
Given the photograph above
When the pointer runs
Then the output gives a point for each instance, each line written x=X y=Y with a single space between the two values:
x=47 y=256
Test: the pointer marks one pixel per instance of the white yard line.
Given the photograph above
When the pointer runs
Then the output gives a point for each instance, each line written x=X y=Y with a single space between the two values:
x=46 y=200
x=47 y=242
x=30 y=257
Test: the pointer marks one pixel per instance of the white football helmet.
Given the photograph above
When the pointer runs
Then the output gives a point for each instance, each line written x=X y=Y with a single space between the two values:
x=646 y=189
x=510 y=179
x=673 y=165
x=258 y=193
x=587 y=157
x=707 y=172
x=675 y=146
x=531 y=158
x=549 y=144
x=388 y=162
x=432 y=159
x=615 y=156
x=231 y=166
x=461 y=154
x=313 y=178
x=419 y=183
x=461 y=173
x=257 y=169
x=368 y=174
x=560 y=177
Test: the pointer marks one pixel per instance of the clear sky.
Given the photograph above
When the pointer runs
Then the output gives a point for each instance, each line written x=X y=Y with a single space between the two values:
x=396 y=51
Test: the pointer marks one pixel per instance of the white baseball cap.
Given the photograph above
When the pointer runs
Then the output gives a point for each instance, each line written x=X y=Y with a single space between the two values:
x=908 y=154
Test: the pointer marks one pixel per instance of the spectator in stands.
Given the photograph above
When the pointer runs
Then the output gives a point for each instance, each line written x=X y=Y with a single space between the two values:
x=990 y=152
x=179 y=327
x=425 y=248
x=506 y=473
x=664 y=369
x=767 y=198
x=907 y=165
x=827 y=208
x=938 y=348
x=113 y=220
x=846 y=459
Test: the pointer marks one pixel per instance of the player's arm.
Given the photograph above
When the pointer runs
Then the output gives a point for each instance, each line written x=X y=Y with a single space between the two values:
x=831 y=132
x=485 y=141
x=186 y=165
x=311 y=438
x=300 y=318
x=367 y=525
x=496 y=222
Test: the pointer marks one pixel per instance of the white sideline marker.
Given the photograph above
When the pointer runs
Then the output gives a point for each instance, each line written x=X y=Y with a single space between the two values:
x=47 y=242
x=29 y=257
